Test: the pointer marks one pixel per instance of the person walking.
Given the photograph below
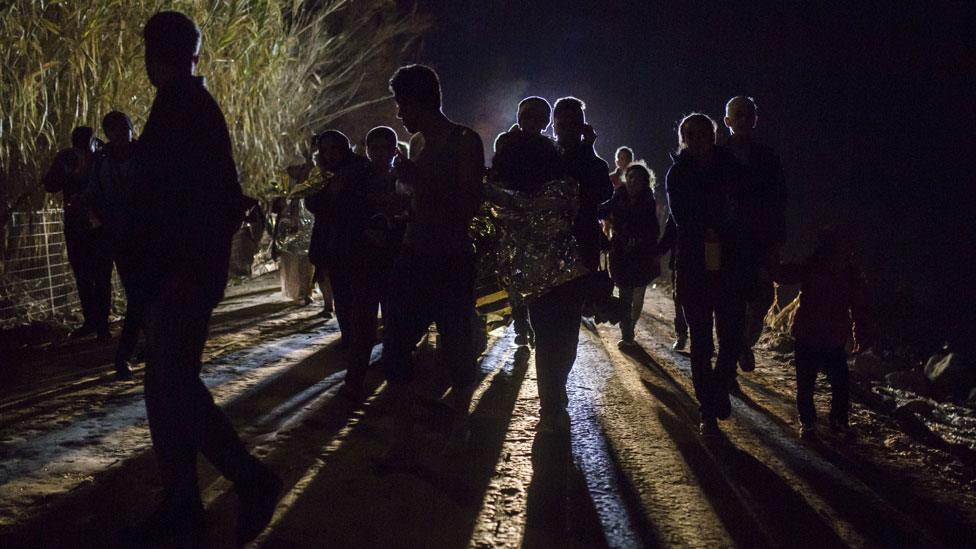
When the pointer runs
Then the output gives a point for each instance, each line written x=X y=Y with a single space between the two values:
x=704 y=189
x=632 y=216
x=187 y=205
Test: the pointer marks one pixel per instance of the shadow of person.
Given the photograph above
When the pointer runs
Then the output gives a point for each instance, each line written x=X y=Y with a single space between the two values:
x=559 y=510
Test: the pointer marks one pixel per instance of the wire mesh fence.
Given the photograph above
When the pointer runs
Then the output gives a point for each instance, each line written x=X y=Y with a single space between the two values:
x=36 y=281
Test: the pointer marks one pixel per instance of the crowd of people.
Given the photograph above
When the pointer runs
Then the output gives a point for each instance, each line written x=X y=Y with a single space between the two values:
x=392 y=233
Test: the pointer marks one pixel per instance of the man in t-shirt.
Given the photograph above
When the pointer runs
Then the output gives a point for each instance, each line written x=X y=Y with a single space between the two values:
x=434 y=275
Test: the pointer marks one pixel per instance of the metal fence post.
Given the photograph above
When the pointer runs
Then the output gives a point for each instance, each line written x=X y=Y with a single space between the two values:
x=47 y=259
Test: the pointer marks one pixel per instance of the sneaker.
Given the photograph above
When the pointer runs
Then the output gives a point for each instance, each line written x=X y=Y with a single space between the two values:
x=590 y=324
x=522 y=339
x=841 y=428
x=709 y=427
x=747 y=362
x=626 y=344
x=83 y=331
x=182 y=524
x=553 y=423
x=735 y=388
x=679 y=343
x=259 y=498
x=808 y=431
x=326 y=314
x=721 y=404
x=122 y=371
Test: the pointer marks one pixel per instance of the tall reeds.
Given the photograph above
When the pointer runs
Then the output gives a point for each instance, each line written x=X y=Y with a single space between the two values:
x=280 y=69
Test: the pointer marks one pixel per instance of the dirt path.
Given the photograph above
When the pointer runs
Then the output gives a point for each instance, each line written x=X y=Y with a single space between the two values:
x=76 y=464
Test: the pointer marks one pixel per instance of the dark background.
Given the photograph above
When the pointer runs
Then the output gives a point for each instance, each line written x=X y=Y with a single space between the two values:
x=869 y=105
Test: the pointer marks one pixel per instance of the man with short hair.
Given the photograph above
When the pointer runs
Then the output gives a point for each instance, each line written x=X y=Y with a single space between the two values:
x=555 y=315
x=763 y=212
x=187 y=206
x=434 y=275
x=110 y=193
x=89 y=251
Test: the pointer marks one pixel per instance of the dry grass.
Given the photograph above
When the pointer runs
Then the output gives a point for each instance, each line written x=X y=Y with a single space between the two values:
x=279 y=68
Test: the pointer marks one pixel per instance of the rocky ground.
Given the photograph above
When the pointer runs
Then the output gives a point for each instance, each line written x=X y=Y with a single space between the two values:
x=76 y=463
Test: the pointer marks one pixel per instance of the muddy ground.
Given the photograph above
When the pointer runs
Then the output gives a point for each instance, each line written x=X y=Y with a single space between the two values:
x=76 y=465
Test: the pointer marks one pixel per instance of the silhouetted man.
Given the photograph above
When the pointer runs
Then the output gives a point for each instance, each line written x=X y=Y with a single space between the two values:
x=763 y=212
x=88 y=248
x=555 y=315
x=433 y=277
x=341 y=216
x=109 y=194
x=187 y=206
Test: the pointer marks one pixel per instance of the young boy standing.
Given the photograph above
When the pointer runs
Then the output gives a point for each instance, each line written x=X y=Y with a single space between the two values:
x=831 y=304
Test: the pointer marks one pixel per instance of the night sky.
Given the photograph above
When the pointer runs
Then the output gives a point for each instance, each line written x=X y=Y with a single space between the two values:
x=870 y=106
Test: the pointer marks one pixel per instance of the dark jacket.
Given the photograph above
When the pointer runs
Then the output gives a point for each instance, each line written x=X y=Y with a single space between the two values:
x=704 y=200
x=763 y=203
x=633 y=244
x=525 y=162
x=832 y=301
x=68 y=175
x=341 y=211
x=581 y=163
x=187 y=201
x=109 y=190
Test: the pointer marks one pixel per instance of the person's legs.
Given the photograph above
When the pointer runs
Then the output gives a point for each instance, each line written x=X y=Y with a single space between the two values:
x=408 y=316
x=729 y=316
x=77 y=244
x=520 y=318
x=680 y=326
x=835 y=364
x=627 y=296
x=755 y=319
x=100 y=267
x=322 y=278
x=699 y=317
x=637 y=303
x=807 y=359
x=134 y=313
x=555 y=319
x=362 y=311
x=454 y=313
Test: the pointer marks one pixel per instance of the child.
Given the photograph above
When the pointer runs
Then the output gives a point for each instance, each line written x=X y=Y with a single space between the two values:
x=831 y=304
x=632 y=213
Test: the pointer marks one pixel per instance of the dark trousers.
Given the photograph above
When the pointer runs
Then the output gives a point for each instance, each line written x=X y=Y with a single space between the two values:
x=711 y=305
x=520 y=313
x=135 y=308
x=90 y=256
x=555 y=319
x=357 y=299
x=680 y=326
x=832 y=361
x=183 y=418
x=757 y=307
x=631 y=304
x=425 y=289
